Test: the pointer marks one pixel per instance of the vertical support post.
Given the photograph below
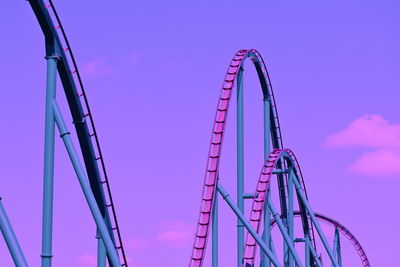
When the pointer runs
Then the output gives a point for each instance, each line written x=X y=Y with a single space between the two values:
x=11 y=239
x=240 y=164
x=307 y=251
x=101 y=252
x=290 y=214
x=267 y=128
x=215 y=233
x=87 y=191
x=47 y=224
x=266 y=235
x=336 y=247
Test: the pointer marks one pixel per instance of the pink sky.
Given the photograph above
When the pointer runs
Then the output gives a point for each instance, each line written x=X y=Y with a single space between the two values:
x=153 y=72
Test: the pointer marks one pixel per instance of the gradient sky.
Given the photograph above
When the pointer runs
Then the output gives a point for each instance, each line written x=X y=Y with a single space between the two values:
x=153 y=70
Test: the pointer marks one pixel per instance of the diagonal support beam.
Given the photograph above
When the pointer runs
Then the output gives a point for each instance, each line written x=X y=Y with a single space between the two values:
x=304 y=200
x=11 y=239
x=336 y=247
x=83 y=180
x=247 y=224
x=286 y=237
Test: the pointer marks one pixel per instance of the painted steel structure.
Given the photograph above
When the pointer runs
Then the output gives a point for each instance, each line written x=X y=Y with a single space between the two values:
x=91 y=173
x=255 y=230
x=252 y=232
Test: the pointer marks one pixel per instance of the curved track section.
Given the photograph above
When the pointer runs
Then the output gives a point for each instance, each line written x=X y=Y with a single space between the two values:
x=279 y=158
x=348 y=234
x=259 y=199
x=215 y=149
x=258 y=204
x=217 y=136
x=344 y=231
x=57 y=45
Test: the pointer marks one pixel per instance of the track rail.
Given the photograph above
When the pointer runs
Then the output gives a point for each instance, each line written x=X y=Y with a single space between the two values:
x=344 y=231
x=260 y=197
x=271 y=163
x=57 y=44
x=257 y=208
x=215 y=149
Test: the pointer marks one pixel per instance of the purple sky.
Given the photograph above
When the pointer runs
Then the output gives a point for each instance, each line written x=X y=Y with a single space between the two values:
x=153 y=70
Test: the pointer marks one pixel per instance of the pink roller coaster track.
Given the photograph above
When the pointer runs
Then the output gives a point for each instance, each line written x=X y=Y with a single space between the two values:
x=212 y=168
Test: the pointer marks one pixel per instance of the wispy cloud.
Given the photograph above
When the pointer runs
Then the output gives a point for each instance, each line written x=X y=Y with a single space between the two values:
x=374 y=132
x=98 y=67
x=177 y=234
x=368 y=131
x=380 y=163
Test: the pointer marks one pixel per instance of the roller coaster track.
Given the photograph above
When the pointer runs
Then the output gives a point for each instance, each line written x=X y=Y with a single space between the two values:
x=57 y=44
x=274 y=161
x=280 y=162
x=337 y=225
x=258 y=204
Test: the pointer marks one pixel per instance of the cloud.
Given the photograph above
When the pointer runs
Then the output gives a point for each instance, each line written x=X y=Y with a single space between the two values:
x=87 y=260
x=177 y=234
x=380 y=163
x=136 y=244
x=370 y=130
x=98 y=67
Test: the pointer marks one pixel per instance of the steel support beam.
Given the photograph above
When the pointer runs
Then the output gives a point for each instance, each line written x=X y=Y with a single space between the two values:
x=290 y=215
x=240 y=164
x=48 y=179
x=214 y=230
x=11 y=240
x=336 y=247
x=303 y=199
x=288 y=241
x=83 y=180
x=101 y=252
x=307 y=251
x=313 y=252
x=266 y=235
x=247 y=224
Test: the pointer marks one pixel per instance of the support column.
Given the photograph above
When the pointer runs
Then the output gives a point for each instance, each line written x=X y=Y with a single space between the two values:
x=11 y=239
x=307 y=251
x=101 y=252
x=215 y=233
x=240 y=164
x=87 y=191
x=290 y=215
x=266 y=235
x=47 y=224
x=336 y=247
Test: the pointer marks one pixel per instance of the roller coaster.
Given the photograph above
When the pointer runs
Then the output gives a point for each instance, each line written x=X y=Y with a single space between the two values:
x=253 y=232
